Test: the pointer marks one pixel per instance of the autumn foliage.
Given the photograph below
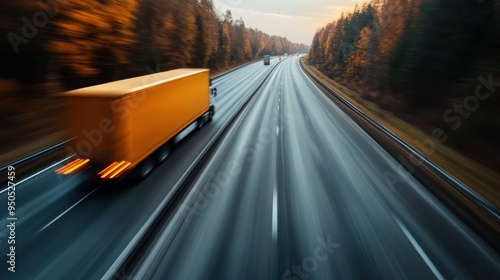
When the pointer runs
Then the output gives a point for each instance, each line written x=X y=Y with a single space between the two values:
x=91 y=41
x=423 y=60
x=49 y=46
x=105 y=37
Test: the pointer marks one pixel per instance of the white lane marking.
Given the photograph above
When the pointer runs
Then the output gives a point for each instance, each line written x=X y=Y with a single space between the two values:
x=62 y=214
x=419 y=249
x=39 y=172
x=278 y=131
x=275 y=213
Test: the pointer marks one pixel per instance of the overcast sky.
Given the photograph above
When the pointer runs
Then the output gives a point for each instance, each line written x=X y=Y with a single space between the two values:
x=295 y=19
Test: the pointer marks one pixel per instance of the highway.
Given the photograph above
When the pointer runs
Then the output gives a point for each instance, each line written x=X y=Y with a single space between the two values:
x=295 y=190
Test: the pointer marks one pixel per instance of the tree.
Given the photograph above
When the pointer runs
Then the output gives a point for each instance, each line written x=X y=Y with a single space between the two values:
x=207 y=35
x=94 y=36
x=242 y=50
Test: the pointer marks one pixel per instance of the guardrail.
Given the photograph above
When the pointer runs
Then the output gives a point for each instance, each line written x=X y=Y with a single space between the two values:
x=235 y=69
x=25 y=162
x=475 y=211
x=35 y=156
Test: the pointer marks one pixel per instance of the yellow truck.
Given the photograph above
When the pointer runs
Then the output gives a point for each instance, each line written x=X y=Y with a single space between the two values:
x=130 y=124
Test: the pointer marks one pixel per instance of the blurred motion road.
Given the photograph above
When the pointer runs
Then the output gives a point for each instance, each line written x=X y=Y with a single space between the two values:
x=295 y=191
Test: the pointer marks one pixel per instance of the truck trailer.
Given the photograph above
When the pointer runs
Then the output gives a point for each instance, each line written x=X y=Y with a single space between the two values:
x=130 y=124
x=267 y=59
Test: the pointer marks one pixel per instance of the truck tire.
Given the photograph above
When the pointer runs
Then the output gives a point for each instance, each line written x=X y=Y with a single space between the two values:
x=163 y=153
x=199 y=123
x=211 y=113
x=145 y=168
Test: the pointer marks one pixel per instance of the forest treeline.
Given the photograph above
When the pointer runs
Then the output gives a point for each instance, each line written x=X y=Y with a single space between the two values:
x=87 y=41
x=49 y=46
x=432 y=62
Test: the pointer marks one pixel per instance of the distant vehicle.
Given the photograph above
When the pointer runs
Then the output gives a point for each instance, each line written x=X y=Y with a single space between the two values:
x=131 y=123
x=267 y=59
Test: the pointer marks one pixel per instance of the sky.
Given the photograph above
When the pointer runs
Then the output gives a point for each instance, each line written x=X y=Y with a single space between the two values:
x=297 y=20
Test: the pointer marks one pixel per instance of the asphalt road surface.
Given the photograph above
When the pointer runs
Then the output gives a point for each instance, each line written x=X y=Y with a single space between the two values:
x=295 y=191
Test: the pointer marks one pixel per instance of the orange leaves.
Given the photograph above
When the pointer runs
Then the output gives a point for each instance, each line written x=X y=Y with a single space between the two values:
x=87 y=29
x=361 y=54
x=94 y=37
x=393 y=17
x=364 y=38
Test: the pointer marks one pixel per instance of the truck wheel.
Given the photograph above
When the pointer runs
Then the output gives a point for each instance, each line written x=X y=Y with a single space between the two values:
x=199 y=123
x=163 y=152
x=146 y=167
x=211 y=113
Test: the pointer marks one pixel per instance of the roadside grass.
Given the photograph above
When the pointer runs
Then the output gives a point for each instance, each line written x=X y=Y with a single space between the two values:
x=481 y=179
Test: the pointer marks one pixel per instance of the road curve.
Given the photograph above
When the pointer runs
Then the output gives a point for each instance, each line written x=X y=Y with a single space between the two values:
x=297 y=191
x=67 y=229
